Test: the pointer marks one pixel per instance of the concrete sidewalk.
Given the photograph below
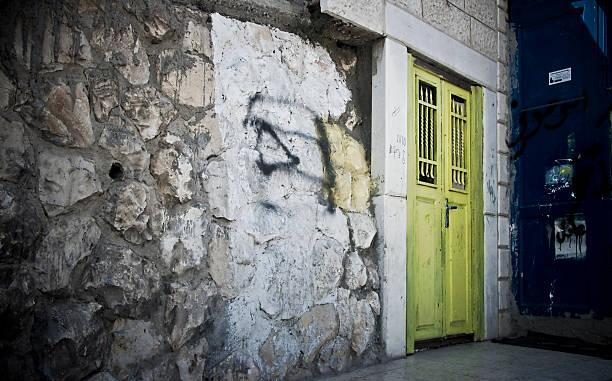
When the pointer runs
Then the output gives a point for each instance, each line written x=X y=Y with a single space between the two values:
x=486 y=361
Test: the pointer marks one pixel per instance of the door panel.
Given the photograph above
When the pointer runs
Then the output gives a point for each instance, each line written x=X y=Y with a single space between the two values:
x=428 y=261
x=428 y=216
x=457 y=250
x=458 y=270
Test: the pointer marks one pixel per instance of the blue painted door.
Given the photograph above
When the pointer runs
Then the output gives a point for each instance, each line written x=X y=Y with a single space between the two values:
x=560 y=151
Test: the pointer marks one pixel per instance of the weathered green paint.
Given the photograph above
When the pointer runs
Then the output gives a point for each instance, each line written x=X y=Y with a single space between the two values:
x=457 y=267
x=444 y=265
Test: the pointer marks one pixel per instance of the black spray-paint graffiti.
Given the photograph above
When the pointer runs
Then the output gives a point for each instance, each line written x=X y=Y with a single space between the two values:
x=590 y=177
x=264 y=129
x=541 y=120
x=570 y=228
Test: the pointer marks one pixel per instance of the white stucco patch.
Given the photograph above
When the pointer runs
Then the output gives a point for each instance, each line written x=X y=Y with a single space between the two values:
x=271 y=89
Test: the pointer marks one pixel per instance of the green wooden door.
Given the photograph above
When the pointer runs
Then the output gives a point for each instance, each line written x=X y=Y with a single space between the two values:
x=441 y=209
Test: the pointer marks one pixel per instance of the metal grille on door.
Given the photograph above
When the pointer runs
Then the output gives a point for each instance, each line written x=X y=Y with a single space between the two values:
x=428 y=161
x=458 y=123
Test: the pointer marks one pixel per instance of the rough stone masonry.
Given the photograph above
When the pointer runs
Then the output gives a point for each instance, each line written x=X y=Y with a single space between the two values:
x=183 y=196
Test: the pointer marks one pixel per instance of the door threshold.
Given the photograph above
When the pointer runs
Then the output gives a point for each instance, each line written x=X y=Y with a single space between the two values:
x=439 y=342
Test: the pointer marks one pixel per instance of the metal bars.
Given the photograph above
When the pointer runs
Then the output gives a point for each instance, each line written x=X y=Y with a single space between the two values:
x=427 y=157
x=458 y=135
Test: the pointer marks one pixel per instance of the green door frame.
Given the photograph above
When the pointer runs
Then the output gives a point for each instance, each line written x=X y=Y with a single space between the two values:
x=477 y=204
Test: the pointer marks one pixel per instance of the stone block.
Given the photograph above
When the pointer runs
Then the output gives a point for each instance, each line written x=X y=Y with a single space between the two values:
x=502 y=20
x=172 y=166
x=503 y=79
x=104 y=95
x=355 y=274
x=279 y=353
x=13 y=150
x=389 y=140
x=221 y=267
x=504 y=168
x=502 y=47
x=132 y=208
x=157 y=26
x=360 y=193
x=73 y=337
x=502 y=137
x=7 y=91
x=368 y=14
x=351 y=190
x=503 y=229
x=317 y=327
x=124 y=144
x=69 y=241
x=335 y=355
x=491 y=294
x=186 y=78
x=66 y=119
x=345 y=317
x=183 y=244
x=191 y=360
x=505 y=295
x=483 y=38
x=484 y=11
x=413 y=6
x=373 y=278
x=390 y=215
x=187 y=308
x=364 y=325
x=65 y=180
x=503 y=200
x=490 y=151
x=448 y=18
x=123 y=49
x=327 y=259
x=217 y=186
x=374 y=302
x=122 y=279
x=196 y=39
x=148 y=109
x=363 y=228
x=206 y=132
x=503 y=4
x=134 y=341
x=63 y=44
x=502 y=108
x=504 y=264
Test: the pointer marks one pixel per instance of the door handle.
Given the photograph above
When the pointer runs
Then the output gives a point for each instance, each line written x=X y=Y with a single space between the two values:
x=446 y=219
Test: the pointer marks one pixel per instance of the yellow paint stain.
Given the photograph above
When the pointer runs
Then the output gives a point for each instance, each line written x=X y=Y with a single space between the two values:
x=352 y=183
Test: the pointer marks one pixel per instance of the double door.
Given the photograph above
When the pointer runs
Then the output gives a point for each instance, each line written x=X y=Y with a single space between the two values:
x=441 y=209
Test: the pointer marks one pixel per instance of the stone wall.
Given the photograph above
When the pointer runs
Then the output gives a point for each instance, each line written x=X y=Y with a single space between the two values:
x=182 y=195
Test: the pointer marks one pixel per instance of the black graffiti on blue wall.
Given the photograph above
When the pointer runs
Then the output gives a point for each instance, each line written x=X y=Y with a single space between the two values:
x=542 y=119
x=591 y=177
x=266 y=129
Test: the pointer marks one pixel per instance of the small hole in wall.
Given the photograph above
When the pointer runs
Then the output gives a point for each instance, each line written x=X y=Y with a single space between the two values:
x=116 y=171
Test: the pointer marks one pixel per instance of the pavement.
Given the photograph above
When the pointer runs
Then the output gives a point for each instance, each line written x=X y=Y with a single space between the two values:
x=485 y=361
